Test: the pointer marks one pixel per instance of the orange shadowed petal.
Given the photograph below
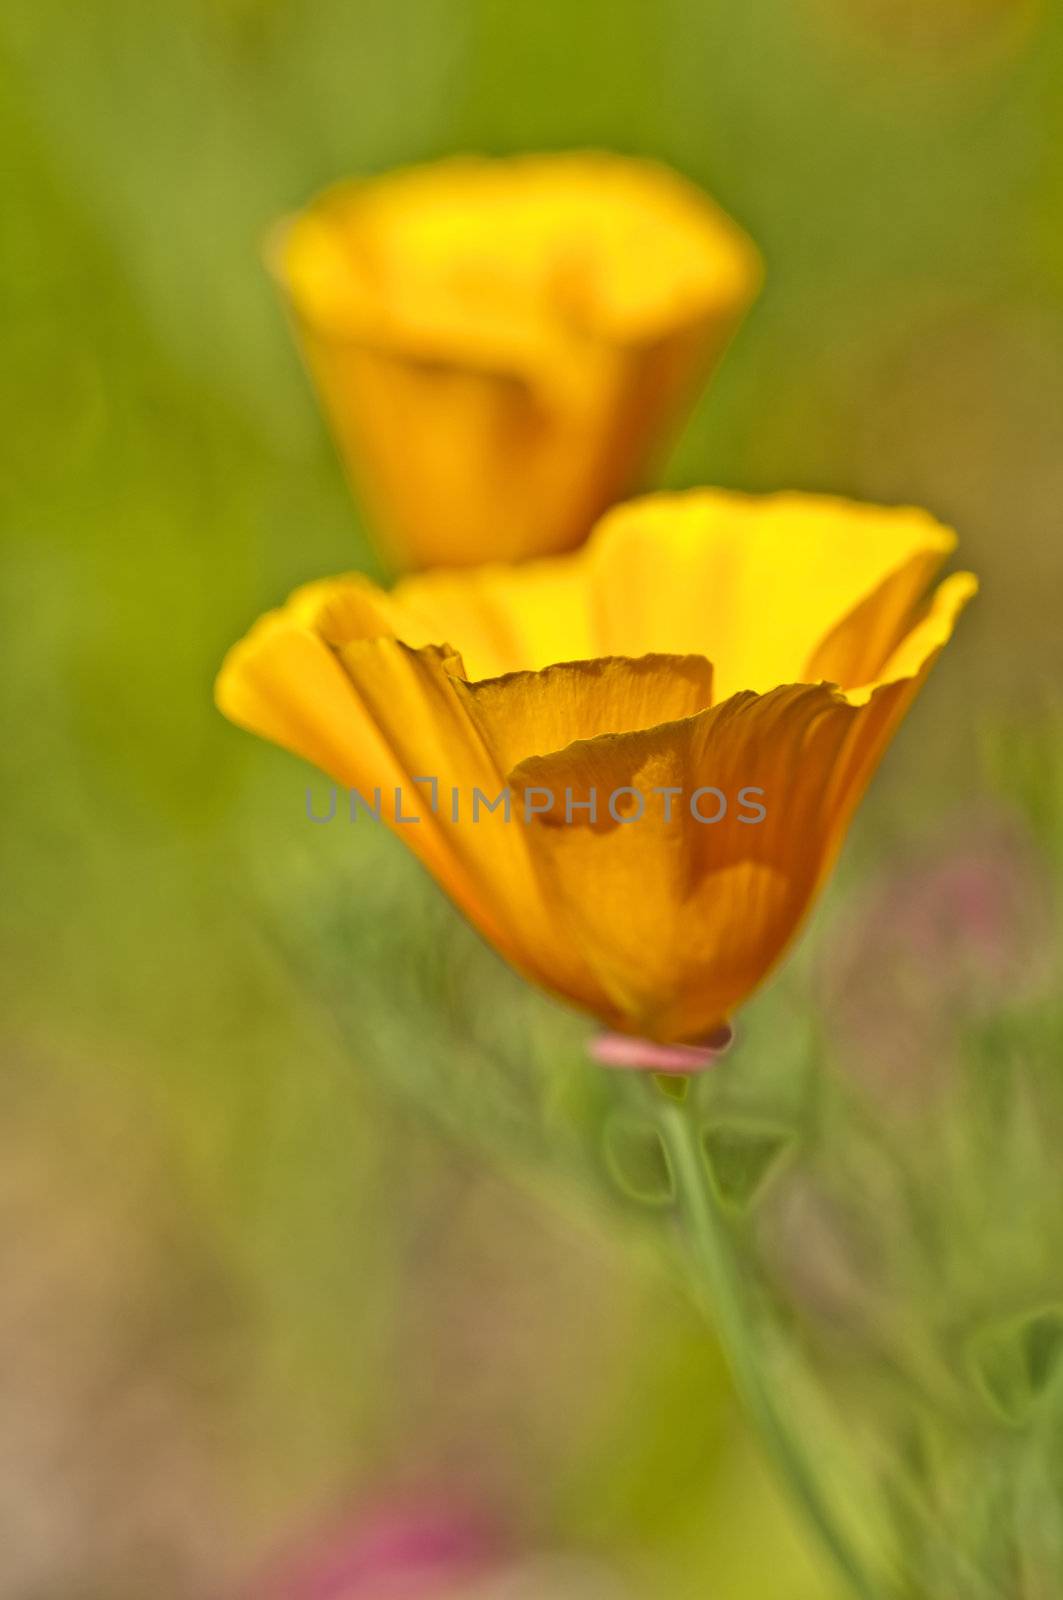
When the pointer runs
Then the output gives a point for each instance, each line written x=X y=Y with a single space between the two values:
x=384 y=720
x=285 y=683
x=529 y=712
x=681 y=918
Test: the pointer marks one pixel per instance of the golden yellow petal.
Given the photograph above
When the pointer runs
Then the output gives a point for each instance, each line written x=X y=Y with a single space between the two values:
x=500 y=346
x=787 y=588
x=509 y=619
x=486 y=255
x=758 y=584
x=283 y=682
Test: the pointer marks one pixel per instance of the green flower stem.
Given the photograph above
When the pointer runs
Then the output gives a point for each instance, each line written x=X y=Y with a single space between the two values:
x=722 y=1293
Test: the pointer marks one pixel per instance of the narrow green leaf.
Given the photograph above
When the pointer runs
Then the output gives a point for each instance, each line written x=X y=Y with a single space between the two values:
x=743 y=1156
x=637 y=1160
x=1013 y=1361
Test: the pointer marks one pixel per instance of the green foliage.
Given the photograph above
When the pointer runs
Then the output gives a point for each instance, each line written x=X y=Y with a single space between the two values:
x=743 y=1157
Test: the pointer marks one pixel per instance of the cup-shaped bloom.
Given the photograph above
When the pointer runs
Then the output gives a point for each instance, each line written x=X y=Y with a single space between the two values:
x=684 y=714
x=501 y=346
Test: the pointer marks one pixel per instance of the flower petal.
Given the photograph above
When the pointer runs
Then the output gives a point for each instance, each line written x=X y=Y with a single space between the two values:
x=487 y=255
x=758 y=584
x=532 y=713
x=679 y=918
x=682 y=919
x=657 y=926
x=509 y=619
x=783 y=589
x=383 y=719
x=499 y=353
x=926 y=637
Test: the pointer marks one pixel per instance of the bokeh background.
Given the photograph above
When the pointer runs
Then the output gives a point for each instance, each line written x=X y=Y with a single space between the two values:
x=266 y=1260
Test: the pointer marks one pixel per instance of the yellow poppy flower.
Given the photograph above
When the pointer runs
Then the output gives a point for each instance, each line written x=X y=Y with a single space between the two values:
x=501 y=345
x=705 y=645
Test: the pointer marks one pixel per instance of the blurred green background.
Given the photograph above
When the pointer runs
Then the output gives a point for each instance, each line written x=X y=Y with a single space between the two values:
x=253 y=1274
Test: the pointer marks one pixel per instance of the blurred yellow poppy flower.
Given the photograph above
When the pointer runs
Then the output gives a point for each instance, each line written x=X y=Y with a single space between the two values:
x=701 y=646
x=501 y=345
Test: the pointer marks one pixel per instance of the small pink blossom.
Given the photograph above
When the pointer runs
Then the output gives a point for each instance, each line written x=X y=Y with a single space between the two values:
x=406 y=1551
